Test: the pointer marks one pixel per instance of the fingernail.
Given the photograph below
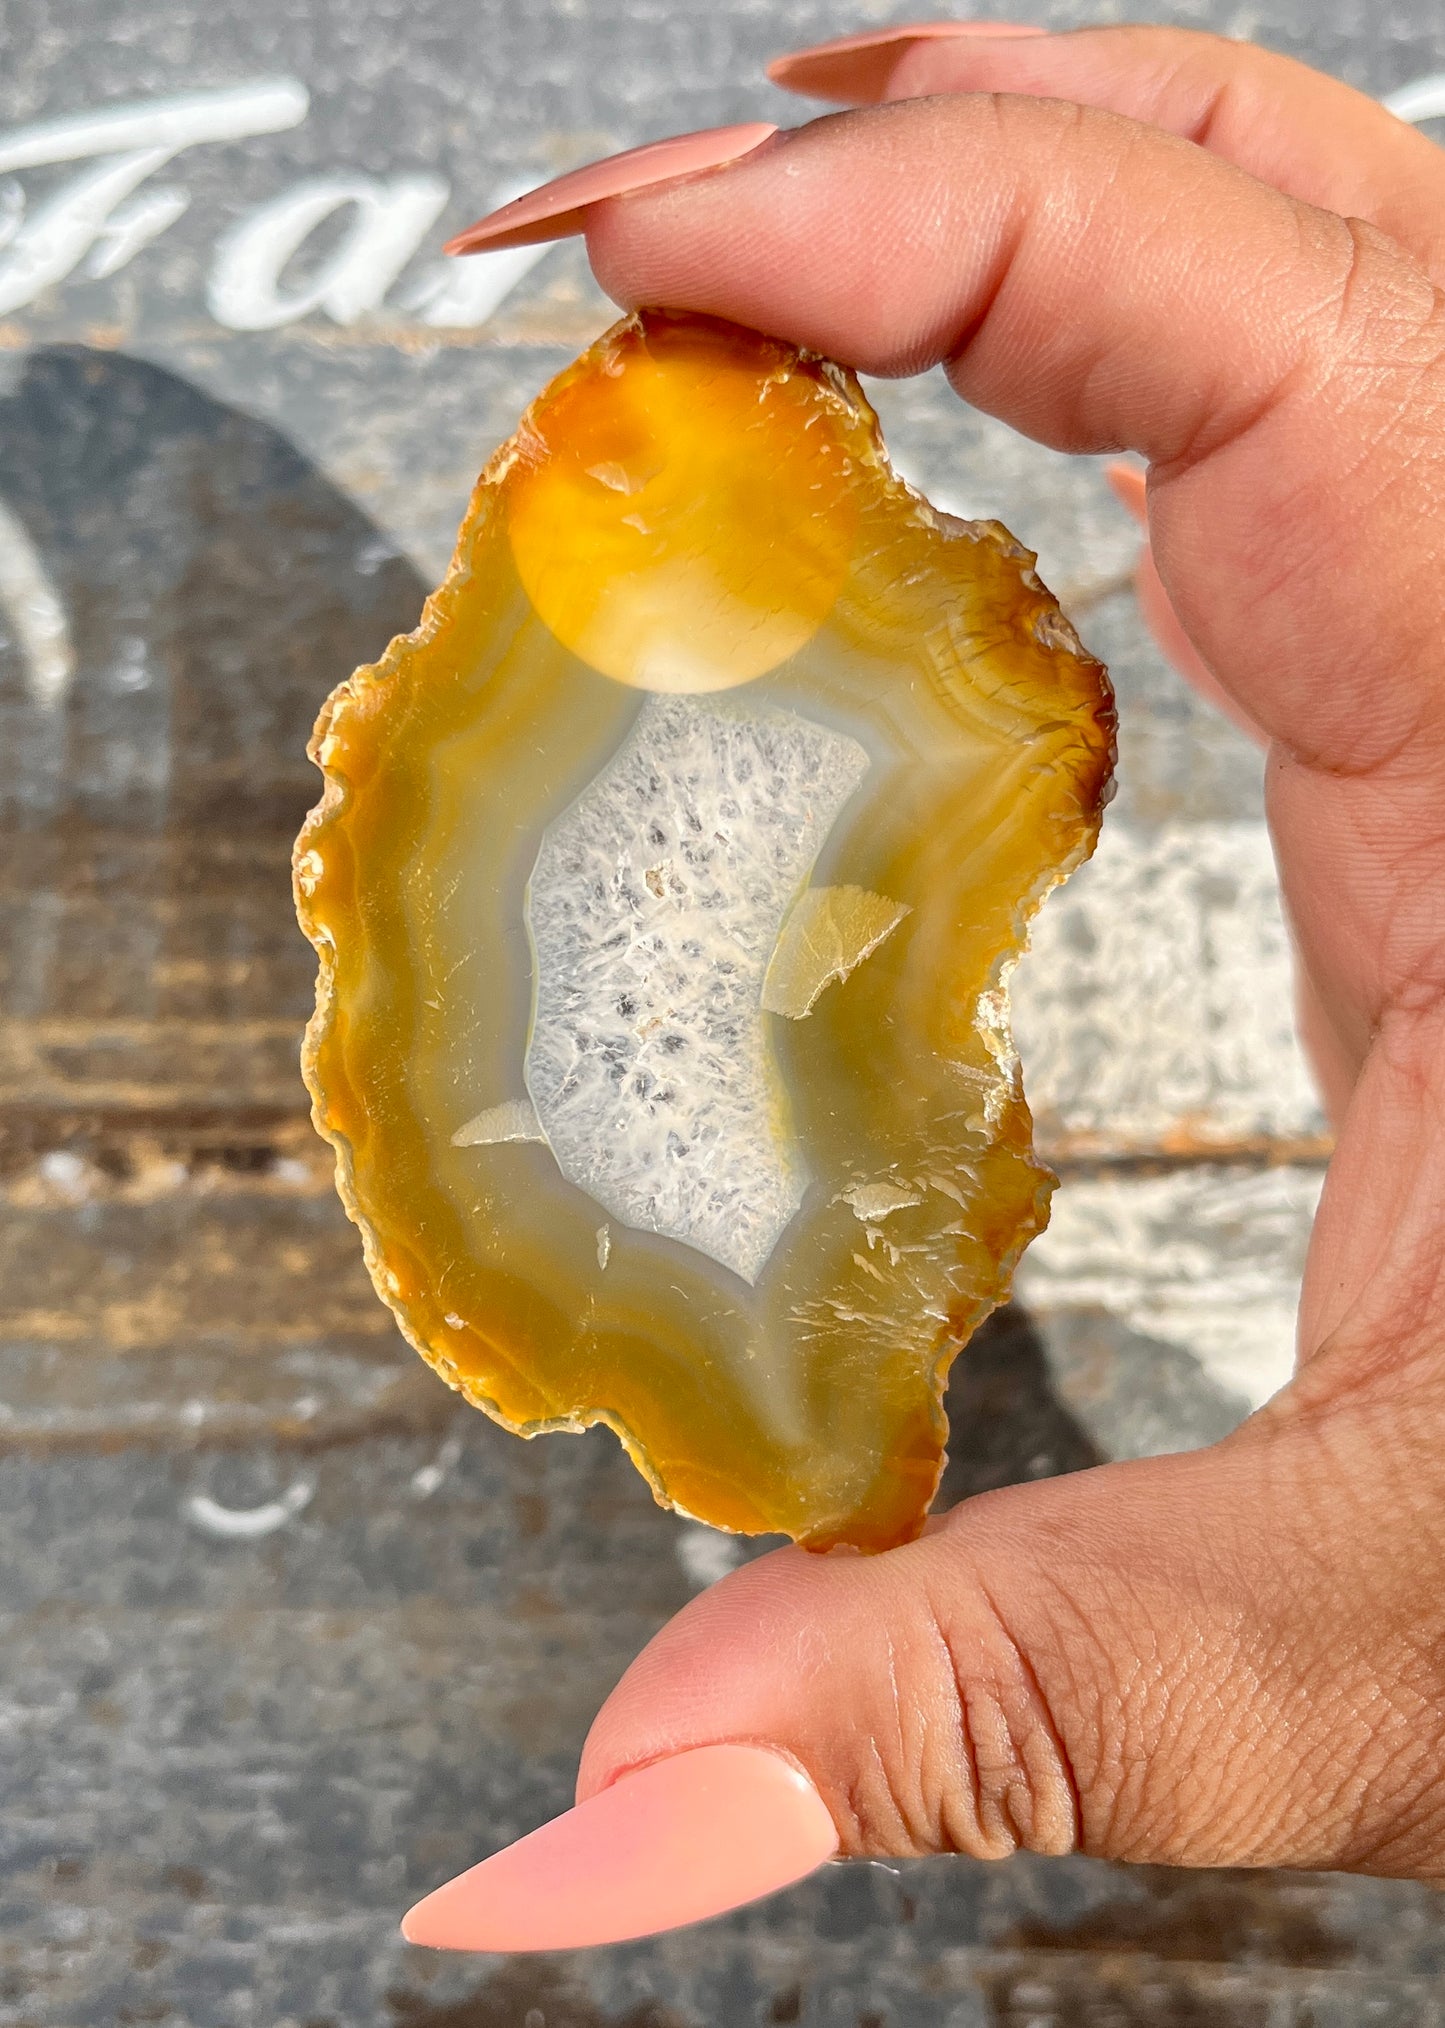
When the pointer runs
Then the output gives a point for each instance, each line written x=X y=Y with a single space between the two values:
x=687 y=1838
x=560 y=207
x=856 y=67
x=1131 y=488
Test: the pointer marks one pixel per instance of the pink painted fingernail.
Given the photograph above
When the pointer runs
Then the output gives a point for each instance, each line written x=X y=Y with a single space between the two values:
x=1131 y=489
x=856 y=68
x=559 y=208
x=679 y=1841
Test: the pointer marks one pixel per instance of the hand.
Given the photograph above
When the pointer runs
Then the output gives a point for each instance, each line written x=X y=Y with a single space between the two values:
x=1155 y=240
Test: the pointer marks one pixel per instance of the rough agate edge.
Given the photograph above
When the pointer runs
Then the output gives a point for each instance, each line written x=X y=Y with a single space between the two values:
x=665 y=887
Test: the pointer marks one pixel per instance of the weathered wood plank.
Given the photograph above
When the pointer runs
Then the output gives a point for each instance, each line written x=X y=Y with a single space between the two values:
x=230 y=1761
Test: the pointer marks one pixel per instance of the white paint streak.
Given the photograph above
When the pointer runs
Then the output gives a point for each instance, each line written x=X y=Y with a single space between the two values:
x=470 y=293
x=247 y=1524
x=706 y=1554
x=1209 y=1259
x=1422 y=99
x=1156 y=1004
x=229 y=115
x=36 y=617
x=426 y=1480
x=69 y=1175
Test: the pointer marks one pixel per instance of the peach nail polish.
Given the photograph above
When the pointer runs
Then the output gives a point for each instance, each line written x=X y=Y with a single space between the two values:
x=559 y=208
x=1131 y=488
x=684 y=1839
x=856 y=68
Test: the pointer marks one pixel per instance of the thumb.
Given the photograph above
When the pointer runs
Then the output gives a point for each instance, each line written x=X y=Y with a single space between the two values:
x=1231 y=1657
x=1160 y=1661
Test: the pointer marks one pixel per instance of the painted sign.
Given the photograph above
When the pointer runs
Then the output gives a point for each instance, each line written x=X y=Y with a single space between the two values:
x=103 y=215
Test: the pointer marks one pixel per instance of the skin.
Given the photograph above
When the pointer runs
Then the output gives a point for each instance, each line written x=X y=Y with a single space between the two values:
x=1157 y=241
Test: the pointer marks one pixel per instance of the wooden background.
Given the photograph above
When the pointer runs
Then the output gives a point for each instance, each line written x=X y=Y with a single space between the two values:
x=288 y=1637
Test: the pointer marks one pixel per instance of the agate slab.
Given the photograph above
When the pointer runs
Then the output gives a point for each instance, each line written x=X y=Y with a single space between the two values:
x=665 y=887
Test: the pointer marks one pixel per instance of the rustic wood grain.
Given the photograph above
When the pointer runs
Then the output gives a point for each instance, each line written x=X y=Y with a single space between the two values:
x=229 y=1763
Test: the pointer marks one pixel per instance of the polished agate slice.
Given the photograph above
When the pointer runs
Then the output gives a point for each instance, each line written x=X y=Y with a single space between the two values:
x=666 y=885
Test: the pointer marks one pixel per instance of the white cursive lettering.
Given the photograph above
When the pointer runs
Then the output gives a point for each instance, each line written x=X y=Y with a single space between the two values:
x=132 y=142
x=390 y=218
x=465 y=293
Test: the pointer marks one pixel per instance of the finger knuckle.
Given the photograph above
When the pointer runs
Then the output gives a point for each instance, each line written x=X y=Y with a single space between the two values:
x=999 y=1778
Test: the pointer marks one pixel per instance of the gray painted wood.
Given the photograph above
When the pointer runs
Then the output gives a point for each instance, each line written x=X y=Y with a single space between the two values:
x=229 y=1763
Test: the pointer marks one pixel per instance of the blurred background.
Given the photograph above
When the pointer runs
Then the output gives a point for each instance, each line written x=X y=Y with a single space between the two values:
x=288 y=1636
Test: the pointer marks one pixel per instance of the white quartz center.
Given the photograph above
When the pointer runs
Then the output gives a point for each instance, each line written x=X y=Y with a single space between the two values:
x=654 y=908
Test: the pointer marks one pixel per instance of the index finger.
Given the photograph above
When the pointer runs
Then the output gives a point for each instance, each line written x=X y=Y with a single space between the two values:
x=1309 y=135
x=1102 y=285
